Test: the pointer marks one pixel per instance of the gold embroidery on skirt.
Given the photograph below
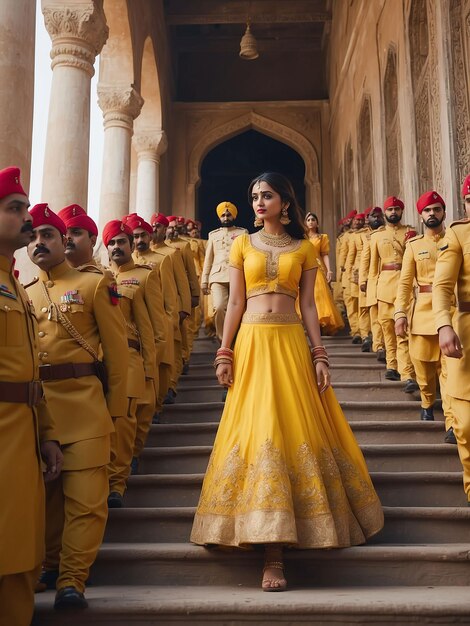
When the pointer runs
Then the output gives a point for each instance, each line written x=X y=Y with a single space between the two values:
x=321 y=501
x=270 y=318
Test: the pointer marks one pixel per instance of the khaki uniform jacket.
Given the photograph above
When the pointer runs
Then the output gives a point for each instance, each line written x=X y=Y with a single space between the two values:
x=162 y=264
x=453 y=268
x=220 y=241
x=343 y=256
x=84 y=298
x=198 y=250
x=134 y=284
x=188 y=260
x=419 y=263
x=353 y=262
x=179 y=272
x=387 y=245
x=21 y=429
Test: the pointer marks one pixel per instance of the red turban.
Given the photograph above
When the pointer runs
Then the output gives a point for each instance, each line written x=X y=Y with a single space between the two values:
x=430 y=197
x=113 y=228
x=180 y=220
x=159 y=218
x=74 y=216
x=393 y=201
x=10 y=182
x=42 y=214
x=190 y=224
x=466 y=187
x=134 y=221
x=351 y=214
x=360 y=216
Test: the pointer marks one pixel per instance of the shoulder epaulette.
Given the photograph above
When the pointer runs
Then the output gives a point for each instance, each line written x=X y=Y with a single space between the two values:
x=144 y=266
x=415 y=238
x=91 y=269
x=465 y=220
x=215 y=231
x=377 y=230
x=33 y=282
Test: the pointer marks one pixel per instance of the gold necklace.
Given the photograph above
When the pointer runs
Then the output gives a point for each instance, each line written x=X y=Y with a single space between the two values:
x=278 y=241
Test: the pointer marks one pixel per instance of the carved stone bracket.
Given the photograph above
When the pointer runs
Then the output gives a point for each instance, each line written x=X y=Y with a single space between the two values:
x=120 y=105
x=78 y=32
x=150 y=144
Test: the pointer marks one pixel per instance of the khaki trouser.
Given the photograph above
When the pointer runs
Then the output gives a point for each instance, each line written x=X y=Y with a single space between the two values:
x=427 y=373
x=351 y=305
x=364 y=322
x=185 y=340
x=397 y=353
x=177 y=367
x=122 y=448
x=76 y=515
x=144 y=415
x=460 y=410
x=17 y=597
x=164 y=373
x=219 y=293
x=377 y=334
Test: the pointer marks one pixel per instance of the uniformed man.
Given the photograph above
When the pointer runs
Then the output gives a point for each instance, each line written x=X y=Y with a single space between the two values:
x=77 y=318
x=466 y=195
x=214 y=279
x=375 y=220
x=387 y=247
x=81 y=236
x=353 y=260
x=336 y=284
x=173 y=240
x=139 y=293
x=161 y=263
x=349 y=302
x=198 y=251
x=419 y=263
x=160 y=223
x=27 y=429
x=453 y=269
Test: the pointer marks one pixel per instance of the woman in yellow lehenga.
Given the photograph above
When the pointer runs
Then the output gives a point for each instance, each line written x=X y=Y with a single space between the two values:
x=329 y=317
x=286 y=469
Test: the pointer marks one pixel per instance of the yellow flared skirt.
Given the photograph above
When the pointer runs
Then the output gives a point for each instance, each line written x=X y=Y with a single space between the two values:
x=285 y=467
x=329 y=316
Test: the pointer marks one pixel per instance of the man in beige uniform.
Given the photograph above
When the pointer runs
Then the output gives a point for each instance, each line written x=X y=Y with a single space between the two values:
x=419 y=263
x=214 y=279
x=387 y=247
x=77 y=318
x=453 y=269
x=350 y=302
x=27 y=429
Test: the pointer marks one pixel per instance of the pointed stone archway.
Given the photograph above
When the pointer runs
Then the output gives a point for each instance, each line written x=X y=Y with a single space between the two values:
x=276 y=130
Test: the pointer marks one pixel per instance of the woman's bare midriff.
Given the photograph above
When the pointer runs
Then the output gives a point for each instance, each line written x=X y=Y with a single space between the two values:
x=271 y=303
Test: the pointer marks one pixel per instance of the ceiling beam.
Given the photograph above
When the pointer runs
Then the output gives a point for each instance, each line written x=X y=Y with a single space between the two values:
x=241 y=18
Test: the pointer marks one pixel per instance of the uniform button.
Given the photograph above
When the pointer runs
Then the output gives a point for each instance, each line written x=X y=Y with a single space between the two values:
x=41 y=333
x=44 y=309
x=50 y=283
x=7 y=308
x=41 y=355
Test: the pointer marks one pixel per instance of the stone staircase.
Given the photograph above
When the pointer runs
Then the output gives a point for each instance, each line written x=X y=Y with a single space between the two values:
x=414 y=572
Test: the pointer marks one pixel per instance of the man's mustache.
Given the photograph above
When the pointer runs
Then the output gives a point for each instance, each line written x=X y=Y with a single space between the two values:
x=117 y=252
x=141 y=246
x=70 y=245
x=40 y=250
x=27 y=227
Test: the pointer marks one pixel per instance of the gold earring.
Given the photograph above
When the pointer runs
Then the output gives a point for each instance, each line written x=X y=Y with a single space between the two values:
x=284 y=217
x=258 y=222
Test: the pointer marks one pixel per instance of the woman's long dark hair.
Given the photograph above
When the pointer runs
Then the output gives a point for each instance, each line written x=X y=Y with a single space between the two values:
x=283 y=187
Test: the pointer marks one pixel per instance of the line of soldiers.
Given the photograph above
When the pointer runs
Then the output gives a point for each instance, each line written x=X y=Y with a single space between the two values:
x=407 y=298
x=89 y=356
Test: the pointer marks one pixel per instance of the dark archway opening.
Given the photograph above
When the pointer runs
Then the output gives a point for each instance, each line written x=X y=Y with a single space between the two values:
x=227 y=170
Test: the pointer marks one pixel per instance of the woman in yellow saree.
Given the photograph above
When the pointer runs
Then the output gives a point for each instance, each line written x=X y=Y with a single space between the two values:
x=286 y=469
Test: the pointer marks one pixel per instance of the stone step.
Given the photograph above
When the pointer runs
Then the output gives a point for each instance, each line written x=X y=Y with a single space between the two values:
x=337 y=353
x=370 y=565
x=247 y=604
x=404 y=489
x=207 y=369
x=380 y=458
x=403 y=525
x=351 y=391
x=409 y=410
x=365 y=432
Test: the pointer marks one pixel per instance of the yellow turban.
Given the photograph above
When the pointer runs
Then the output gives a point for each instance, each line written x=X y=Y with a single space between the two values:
x=224 y=206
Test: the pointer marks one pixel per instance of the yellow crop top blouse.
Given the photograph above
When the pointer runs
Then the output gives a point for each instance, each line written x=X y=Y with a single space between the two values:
x=272 y=271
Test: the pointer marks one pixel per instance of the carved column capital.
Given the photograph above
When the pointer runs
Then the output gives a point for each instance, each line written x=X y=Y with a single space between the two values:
x=78 y=32
x=150 y=144
x=120 y=105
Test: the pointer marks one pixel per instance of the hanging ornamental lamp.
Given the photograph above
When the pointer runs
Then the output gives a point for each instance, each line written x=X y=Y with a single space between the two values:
x=248 y=49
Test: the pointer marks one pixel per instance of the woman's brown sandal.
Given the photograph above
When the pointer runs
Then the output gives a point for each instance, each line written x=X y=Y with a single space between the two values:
x=267 y=583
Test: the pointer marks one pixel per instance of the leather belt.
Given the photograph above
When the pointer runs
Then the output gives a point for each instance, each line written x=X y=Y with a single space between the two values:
x=66 y=370
x=425 y=288
x=133 y=343
x=30 y=393
x=391 y=266
x=464 y=307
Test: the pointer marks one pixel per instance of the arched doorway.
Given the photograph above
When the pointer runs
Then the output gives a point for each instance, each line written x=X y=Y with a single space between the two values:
x=227 y=169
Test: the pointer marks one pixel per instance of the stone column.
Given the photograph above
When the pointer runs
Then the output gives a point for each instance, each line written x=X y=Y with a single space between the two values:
x=17 y=37
x=149 y=147
x=78 y=31
x=120 y=106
